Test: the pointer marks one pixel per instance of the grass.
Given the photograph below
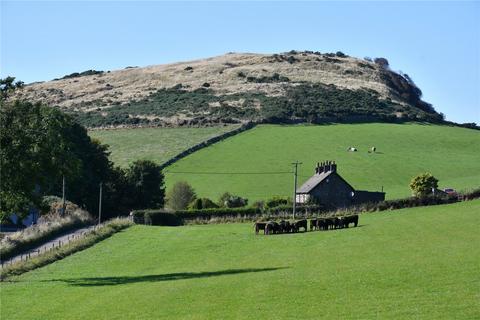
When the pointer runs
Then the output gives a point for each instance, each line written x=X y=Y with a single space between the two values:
x=30 y=237
x=451 y=154
x=96 y=235
x=417 y=263
x=156 y=144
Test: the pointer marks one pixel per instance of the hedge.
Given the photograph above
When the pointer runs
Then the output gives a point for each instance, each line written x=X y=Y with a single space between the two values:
x=169 y=218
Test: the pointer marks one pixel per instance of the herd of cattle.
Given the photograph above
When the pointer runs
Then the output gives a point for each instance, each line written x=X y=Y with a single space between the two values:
x=285 y=226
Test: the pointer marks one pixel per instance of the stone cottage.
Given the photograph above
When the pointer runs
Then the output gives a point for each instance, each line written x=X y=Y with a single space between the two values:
x=328 y=188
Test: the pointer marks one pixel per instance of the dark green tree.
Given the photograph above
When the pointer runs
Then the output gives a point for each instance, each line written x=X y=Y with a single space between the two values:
x=40 y=145
x=146 y=181
x=9 y=85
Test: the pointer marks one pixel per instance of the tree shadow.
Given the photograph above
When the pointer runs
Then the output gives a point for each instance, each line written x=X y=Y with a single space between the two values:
x=112 y=281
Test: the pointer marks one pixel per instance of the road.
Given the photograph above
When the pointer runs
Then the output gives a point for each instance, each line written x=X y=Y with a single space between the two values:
x=53 y=243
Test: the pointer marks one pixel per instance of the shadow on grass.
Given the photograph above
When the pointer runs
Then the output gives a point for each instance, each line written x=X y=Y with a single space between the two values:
x=112 y=281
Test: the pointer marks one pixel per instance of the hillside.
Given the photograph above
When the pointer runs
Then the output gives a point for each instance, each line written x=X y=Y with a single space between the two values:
x=295 y=86
x=156 y=144
x=257 y=163
x=417 y=263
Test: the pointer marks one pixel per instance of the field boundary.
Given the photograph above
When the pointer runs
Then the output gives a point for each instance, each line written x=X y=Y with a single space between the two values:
x=225 y=215
x=207 y=143
x=84 y=241
x=24 y=246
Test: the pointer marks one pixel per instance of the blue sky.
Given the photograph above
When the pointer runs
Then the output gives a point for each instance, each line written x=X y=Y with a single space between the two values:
x=436 y=43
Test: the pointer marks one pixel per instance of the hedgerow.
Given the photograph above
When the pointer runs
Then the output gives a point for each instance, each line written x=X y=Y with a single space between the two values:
x=49 y=228
x=104 y=231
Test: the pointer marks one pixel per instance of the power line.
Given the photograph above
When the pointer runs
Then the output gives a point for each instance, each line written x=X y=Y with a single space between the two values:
x=245 y=173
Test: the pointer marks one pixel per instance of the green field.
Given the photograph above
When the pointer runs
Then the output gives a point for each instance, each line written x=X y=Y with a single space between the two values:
x=452 y=154
x=156 y=144
x=420 y=263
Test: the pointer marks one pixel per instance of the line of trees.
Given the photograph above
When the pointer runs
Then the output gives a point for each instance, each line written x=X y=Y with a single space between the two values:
x=40 y=145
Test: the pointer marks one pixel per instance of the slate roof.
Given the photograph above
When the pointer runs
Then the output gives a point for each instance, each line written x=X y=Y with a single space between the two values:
x=313 y=182
x=316 y=179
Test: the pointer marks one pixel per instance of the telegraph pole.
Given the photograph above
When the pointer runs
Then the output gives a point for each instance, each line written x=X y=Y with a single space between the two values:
x=100 y=205
x=63 y=196
x=295 y=187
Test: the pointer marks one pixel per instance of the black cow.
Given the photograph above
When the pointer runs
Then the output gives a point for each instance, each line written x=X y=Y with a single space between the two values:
x=272 y=227
x=259 y=225
x=339 y=222
x=285 y=226
x=322 y=224
x=300 y=224
x=330 y=223
x=350 y=219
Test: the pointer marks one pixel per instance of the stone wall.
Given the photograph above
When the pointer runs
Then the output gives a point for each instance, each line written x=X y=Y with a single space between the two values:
x=206 y=143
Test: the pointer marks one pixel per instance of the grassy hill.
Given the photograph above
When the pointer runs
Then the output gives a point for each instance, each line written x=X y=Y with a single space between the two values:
x=417 y=263
x=156 y=144
x=292 y=86
x=452 y=154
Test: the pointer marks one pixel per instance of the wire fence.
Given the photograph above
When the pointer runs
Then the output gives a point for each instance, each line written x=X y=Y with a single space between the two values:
x=49 y=246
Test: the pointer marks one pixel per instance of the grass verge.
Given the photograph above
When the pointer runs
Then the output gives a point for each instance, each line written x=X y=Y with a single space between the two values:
x=18 y=242
x=97 y=235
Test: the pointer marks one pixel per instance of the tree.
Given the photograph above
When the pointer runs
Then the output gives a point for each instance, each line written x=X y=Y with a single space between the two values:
x=146 y=180
x=180 y=196
x=38 y=146
x=382 y=62
x=423 y=184
x=7 y=86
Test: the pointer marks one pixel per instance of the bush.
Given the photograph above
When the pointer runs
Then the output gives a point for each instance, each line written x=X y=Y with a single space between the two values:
x=161 y=218
x=181 y=195
x=423 y=184
x=276 y=201
x=382 y=62
x=202 y=203
x=259 y=204
x=228 y=200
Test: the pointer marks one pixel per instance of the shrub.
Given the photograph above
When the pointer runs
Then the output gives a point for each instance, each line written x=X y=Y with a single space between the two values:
x=161 y=218
x=423 y=184
x=202 y=203
x=276 y=201
x=382 y=62
x=228 y=200
x=181 y=195
x=259 y=204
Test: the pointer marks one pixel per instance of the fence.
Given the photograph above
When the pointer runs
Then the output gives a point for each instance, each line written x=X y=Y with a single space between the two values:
x=49 y=246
